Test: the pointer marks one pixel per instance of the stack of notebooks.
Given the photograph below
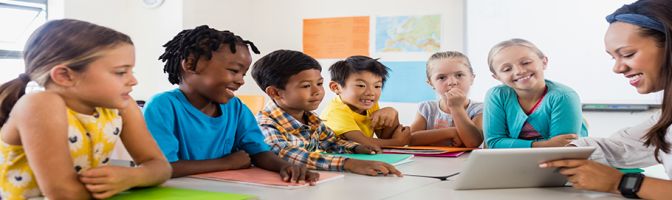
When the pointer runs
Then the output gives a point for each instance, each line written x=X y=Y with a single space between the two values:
x=427 y=151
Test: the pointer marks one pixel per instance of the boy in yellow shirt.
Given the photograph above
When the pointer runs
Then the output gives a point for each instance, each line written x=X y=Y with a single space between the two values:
x=354 y=114
x=293 y=80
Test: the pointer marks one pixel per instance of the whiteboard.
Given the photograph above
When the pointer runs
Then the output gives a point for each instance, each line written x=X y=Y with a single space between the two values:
x=569 y=32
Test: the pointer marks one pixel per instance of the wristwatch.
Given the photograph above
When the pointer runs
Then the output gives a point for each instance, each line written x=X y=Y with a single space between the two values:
x=630 y=184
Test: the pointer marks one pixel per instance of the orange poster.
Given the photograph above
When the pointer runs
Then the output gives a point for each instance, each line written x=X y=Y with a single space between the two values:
x=336 y=37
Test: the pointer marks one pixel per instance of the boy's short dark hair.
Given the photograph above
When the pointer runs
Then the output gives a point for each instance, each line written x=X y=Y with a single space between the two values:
x=275 y=68
x=341 y=70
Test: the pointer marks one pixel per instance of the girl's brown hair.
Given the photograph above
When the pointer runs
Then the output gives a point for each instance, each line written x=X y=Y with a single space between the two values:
x=508 y=43
x=67 y=42
x=446 y=55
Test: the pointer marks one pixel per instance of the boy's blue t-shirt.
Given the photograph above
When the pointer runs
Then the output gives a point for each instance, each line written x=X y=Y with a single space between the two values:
x=185 y=133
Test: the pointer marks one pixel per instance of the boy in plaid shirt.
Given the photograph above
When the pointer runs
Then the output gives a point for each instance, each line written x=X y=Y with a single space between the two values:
x=294 y=82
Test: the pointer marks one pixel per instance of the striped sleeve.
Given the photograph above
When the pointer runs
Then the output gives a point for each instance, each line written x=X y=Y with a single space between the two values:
x=284 y=148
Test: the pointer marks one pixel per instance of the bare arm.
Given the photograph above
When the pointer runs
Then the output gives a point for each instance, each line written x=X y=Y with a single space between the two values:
x=653 y=188
x=237 y=160
x=41 y=122
x=384 y=121
x=436 y=136
x=359 y=137
x=591 y=175
x=421 y=136
x=153 y=168
x=470 y=131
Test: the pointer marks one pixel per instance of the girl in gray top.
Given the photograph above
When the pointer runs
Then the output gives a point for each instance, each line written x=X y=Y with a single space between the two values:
x=453 y=120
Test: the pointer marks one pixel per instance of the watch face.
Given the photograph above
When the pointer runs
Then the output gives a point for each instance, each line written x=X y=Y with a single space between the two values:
x=630 y=182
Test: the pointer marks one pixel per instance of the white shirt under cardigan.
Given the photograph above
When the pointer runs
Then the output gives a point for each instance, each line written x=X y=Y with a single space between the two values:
x=626 y=149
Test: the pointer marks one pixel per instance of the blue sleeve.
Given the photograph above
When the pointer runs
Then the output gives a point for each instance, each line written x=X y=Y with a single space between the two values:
x=160 y=118
x=495 y=125
x=248 y=134
x=566 y=115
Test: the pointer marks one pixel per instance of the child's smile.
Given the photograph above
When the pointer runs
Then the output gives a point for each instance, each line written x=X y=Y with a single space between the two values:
x=361 y=91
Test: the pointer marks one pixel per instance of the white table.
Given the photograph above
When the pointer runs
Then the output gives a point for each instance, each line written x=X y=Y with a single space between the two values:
x=433 y=166
x=352 y=186
x=444 y=190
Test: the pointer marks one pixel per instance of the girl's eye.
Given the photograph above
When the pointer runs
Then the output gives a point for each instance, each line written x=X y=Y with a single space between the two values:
x=121 y=73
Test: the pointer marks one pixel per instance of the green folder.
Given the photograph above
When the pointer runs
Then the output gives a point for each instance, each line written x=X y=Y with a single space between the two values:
x=630 y=170
x=393 y=159
x=169 y=193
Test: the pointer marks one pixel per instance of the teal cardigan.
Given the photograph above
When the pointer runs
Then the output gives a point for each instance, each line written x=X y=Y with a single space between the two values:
x=503 y=118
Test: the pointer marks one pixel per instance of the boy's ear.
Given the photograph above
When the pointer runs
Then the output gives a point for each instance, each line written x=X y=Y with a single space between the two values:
x=429 y=83
x=62 y=75
x=335 y=87
x=188 y=64
x=272 y=92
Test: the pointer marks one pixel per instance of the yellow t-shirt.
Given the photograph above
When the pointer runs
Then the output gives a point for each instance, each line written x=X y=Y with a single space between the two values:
x=340 y=118
x=91 y=139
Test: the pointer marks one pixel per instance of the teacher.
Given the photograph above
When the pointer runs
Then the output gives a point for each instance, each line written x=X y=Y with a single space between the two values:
x=639 y=40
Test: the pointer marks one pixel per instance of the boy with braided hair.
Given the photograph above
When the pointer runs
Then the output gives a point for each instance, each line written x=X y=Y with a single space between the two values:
x=201 y=126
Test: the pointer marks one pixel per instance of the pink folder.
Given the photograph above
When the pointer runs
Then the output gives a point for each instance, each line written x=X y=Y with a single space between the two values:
x=261 y=177
x=425 y=153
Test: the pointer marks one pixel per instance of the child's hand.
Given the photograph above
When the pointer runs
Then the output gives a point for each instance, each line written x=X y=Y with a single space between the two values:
x=385 y=117
x=371 y=168
x=402 y=134
x=368 y=149
x=106 y=181
x=456 y=141
x=454 y=98
x=238 y=160
x=295 y=174
x=557 y=141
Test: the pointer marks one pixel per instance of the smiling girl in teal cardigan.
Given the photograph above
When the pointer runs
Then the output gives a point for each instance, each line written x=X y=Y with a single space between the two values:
x=527 y=110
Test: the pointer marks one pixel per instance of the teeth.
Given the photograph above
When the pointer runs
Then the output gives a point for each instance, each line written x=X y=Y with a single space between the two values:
x=635 y=77
x=525 y=78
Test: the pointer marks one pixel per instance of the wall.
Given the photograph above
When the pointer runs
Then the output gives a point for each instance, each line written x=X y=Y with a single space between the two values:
x=149 y=28
x=272 y=25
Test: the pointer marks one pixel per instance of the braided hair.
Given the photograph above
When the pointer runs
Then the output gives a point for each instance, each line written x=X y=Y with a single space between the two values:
x=197 y=42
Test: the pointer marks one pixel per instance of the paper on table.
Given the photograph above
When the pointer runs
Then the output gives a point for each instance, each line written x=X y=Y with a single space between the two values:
x=446 y=149
x=424 y=153
x=393 y=159
x=261 y=177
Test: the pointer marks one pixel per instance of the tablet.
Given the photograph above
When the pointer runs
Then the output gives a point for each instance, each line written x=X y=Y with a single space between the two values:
x=516 y=168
